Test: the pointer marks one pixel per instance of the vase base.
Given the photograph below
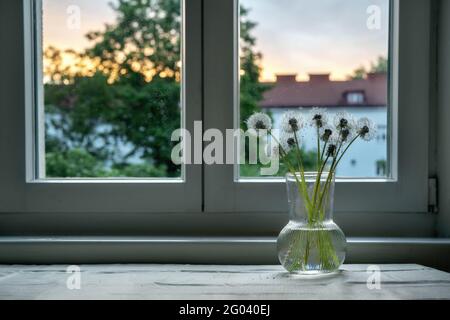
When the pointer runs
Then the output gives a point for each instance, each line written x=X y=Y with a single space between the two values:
x=303 y=249
x=313 y=274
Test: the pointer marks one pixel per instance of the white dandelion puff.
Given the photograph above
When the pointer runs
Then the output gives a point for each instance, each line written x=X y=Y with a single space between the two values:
x=318 y=117
x=333 y=143
x=259 y=122
x=344 y=120
x=366 y=129
x=346 y=135
x=326 y=132
x=334 y=138
x=288 y=141
x=292 y=121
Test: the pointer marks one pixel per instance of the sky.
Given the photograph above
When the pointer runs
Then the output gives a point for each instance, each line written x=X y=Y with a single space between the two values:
x=295 y=36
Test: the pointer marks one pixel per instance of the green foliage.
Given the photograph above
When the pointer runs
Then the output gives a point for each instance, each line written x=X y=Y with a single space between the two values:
x=251 y=89
x=359 y=73
x=100 y=118
x=145 y=38
x=81 y=165
x=380 y=66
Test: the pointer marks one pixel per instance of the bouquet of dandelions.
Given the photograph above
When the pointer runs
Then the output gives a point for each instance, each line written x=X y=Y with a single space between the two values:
x=334 y=139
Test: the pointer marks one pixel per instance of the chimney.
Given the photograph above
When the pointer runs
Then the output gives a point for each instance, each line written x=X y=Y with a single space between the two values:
x=286 y=78
x=319 y=78
x=374 y=76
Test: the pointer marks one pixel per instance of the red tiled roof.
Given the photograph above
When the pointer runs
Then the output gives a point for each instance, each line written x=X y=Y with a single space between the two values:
x=322 y=92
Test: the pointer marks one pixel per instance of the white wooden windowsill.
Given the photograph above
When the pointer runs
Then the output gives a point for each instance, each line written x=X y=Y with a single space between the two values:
x=181 y=282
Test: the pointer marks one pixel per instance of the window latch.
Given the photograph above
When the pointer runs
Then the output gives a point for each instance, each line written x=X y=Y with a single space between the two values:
x=432 y=195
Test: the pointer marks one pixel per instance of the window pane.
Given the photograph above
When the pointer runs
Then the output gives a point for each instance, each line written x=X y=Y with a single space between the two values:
x=332 y=54
x=112 y=88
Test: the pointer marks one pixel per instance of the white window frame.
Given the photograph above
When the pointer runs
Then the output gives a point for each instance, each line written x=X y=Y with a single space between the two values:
x=28 y=193
x=405 y=191
x=210 y=202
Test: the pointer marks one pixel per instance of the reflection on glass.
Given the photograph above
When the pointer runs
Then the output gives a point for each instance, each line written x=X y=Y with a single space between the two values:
x=332 y=54
x=111 y=73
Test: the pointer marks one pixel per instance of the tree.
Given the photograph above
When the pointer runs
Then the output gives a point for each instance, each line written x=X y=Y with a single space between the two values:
x=112 y=112
x=143 y=44
x=359 y=73
x=252 y=90
x=130 y=97
x=379 y=66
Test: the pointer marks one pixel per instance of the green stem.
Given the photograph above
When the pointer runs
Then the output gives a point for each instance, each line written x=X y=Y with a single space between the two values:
x=299 y=155
x=334 y=165
x=318 y=181
x=302 y=172
x=323 y=150
x=319 y=171
x=346 y=149
x=307 y=249
x=303 y=190
x=327 y=183
x=318 y=149
x=330 y=174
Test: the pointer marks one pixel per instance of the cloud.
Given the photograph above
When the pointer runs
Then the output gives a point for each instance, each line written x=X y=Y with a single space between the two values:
x=305 y=36
x=295 y=36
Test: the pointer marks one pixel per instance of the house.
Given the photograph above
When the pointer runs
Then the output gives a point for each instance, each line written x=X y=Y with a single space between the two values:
x=367 y=97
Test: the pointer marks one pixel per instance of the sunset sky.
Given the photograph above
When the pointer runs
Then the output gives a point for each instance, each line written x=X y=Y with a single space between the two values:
x=294 y=36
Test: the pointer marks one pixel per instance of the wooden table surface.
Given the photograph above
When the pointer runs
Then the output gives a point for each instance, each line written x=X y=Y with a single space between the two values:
x=219 y=282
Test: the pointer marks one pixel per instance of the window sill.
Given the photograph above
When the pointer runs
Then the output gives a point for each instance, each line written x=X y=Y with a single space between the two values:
x=432 y=252
x=222 y=282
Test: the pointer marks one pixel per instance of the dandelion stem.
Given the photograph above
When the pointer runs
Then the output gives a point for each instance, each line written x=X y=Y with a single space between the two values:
x=345 y=151
x=323 y=150
x=302 y=169
x=318 y=149
x=303 y=190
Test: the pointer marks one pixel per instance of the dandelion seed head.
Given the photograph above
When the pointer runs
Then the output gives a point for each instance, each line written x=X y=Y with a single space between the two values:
x=326 y=133
x=259 y=122
x=331 y=150
x=344 y=120
x=366 y=129
x=288 y=141
x=318 y=118
x=346 y=135
x=292 y=121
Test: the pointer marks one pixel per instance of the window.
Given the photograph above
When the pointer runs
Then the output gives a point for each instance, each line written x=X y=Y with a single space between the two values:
x=94 y=126
x=112 y=84
x=291 y=56
x=355 y=98
x=140 y=194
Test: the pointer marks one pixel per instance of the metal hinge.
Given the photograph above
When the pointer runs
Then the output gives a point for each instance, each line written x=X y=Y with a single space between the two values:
x=432 y=195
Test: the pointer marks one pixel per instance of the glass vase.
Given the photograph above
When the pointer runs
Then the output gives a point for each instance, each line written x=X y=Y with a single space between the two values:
x=311 y=243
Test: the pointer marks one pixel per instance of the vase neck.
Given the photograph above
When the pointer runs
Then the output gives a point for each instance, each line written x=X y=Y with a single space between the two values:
x=311 y=196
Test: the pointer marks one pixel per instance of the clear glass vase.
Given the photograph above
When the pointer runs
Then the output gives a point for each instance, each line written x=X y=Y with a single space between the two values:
x=311 y=243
